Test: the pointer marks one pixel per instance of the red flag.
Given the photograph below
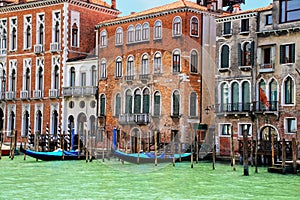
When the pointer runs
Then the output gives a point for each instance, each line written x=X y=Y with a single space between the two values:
x=263 y=97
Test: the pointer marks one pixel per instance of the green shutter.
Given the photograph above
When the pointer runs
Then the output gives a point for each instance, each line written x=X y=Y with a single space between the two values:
x=252 y=55
x=137 y=104
x=146 y=100
x=292 y=46
x=239 y=54
x=282 y=52
x=156 y=105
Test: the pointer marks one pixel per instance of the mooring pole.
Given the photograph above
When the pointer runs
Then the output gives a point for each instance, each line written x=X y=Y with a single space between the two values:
x=232 y=151
x=155 y=148
x=245 y=157
x=283 y=150
x=1 y=140
x=294 y=150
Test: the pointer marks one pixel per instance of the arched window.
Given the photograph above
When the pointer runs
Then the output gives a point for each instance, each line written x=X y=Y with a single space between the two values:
x=146 y=101
x=56 y=32
x=11 y=125
x=130 y=68
x=176 y=103
x=224 y=57
x=128 y=102
x=246 y=54
x=235 y=96
x=28 y=37
x=27 y=80
x=130 y=34
x=103 y=38
x=289 y=94
x=103 y=69
x=41 y=34
x=273 y=98
x=119 y=36
x=25 y=124
x=56 y=77
x=194 y=61
x=194 y=26
x=72 y=77
x=224 y=97
x=176 y=61
x=137 y=102
x=157 y=29
x=14 y=39
x=13 y=80
x=262 y=95
x=94 y=75
x=157 y=63
x=38 y=121
x=54 y=122
x=118 y=105
x=119 y=67
x=193 y=104
x=40 y=79
x=138 y=33
x=177 y=26
x=246 y=99
x=102 y=105
x=145 y=65
x=156 y=104
x=74 y=35
x=145 y=31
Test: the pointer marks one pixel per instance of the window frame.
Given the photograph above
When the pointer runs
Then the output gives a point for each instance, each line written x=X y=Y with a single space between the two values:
x=119 y=36
x=177 y=26
x=228 y=129
x=283 y=12
x=103 y=39
x=176 y=58
x=157 y=31
x=194 y=27
x=287 y=128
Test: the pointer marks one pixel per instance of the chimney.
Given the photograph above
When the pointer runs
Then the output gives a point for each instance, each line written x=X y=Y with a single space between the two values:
x=236 y=8
x=113 y=4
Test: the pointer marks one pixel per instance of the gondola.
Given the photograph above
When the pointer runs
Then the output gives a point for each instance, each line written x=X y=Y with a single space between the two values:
x=140 y=158
x=54 y=155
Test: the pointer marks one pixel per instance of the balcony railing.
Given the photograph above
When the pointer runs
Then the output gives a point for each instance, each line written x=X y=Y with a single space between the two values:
x=129 y=77
x=79 y=91
x=267 y=67
x=37 y=94
x=53 y=93
x=2 y=95
x=24 y=94
x=3 y=52
x=38 y=48
x=233 y=107
x=11 y=95
x=271 y=106
x=144 y=76
x=54 y=47
x=143 y=118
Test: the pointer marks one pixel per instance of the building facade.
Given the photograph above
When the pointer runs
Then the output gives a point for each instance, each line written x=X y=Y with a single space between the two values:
x=37 y=39
x=151 y=67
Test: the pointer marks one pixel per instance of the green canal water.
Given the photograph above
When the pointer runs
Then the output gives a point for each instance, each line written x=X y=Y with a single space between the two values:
x=29 y=179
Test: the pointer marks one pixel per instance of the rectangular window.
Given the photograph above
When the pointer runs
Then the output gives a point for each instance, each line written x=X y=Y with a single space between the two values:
x=227 y=28
x=269 y=19
x=225 y=129
x=287 y=53
x=289 y=10
x=83 y=79
x=245 y=129
x=245 y=25
x=290 y=125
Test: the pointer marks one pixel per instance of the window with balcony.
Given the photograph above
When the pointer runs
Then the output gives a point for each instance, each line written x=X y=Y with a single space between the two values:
x=130 y=34
x=157 y=63
x=145 y=31
x=246 y=98
x=118 y=67
x=194 y=61
x=175 y=104
x=224 y=90
x=146 y=101
x=244 y=25
x=102 y=105
x=56 y=78
x=137 y=101
x=194 y=26
x=119 y=36
x=176 y=61
x=289 y=10
x=83 y=79
x=262 y=97
x=157 y=29
x=145 y=67
x=267 y=58
x=117 y=104
x=227 y=28
x=128 y=102
x=40 y=79
x=290 y=125
x=103 y=69
x=40 y=29
x=72 y=77
x=224 y=57
x=55 y=26
x=225 y=129
x=234 y=96
x=75 y=37
x=28 y=32
x=27 y=81
x=103 y=38
x=177 y=26
x=193 y=104
x=289 y=91
x=246 y=54
x=156 y=103
x=138 y=33
x=287 y=53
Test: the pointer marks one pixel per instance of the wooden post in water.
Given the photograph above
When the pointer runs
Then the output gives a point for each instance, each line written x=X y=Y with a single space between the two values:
x=24 y=144
x=90 y=143
x=192 y=150
x=256 y=146
x=214 y=150
x=245 y=150
x=197 y=147
x=86 y=144
x=79 y=147
x=273 y=150
x=1 y=141
x=251 y=151
x=63 y=145
x=283 y=150
x=294 y=150
x=155 y=148
x=232 y=151
x=172 y=147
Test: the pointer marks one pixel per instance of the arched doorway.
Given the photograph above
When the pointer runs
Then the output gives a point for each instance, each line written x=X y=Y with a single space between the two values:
x=268 y=143
x=135 y=140
x=71 y=127
x=81 y=126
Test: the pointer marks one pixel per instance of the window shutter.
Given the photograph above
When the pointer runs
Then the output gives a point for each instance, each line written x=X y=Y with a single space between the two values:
x=252 y=55
x=146 y=104
x=239 y=54
x=225 y=57
x=292 y=53
x=282 y=48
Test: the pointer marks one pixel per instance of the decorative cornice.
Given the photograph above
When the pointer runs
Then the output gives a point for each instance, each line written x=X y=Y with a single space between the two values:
x=278 y=32
x=236 y=17
x=45 y=3
x=153 y=15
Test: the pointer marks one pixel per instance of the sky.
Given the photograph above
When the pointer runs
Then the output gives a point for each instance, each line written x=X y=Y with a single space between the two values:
x=128 y=6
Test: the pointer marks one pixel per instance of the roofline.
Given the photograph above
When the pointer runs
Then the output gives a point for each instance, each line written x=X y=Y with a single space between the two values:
x=35 y=4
